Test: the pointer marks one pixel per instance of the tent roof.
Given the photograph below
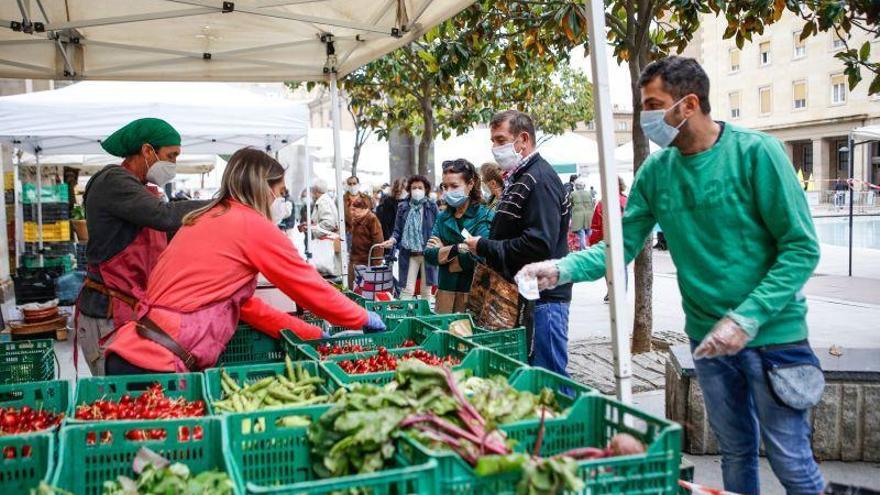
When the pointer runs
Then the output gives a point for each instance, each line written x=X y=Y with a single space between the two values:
x=624 y=153
x=89 y=164
x=869 y=132
x=205 y=40
x=212 y=118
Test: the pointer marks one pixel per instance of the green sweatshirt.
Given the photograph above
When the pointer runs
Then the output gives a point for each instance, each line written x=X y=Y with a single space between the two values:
x=739 y=231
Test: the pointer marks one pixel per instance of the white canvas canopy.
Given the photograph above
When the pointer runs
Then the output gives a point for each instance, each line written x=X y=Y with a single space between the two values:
x=212 y=118
x=274 y=40
x=89 y=164
x=869 y=132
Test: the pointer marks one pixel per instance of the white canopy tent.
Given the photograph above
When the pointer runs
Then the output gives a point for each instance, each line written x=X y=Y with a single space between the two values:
x=867 y=133
x=271 y=40
x=89 y=164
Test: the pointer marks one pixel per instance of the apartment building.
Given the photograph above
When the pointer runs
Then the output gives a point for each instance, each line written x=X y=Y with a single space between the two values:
x=796 y=91
x=622 y=127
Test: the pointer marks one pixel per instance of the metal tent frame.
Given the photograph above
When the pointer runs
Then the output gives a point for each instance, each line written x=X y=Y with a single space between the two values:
x=314 y=40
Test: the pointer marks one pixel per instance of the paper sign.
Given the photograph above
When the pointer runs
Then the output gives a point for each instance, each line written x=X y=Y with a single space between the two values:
x=464 y=233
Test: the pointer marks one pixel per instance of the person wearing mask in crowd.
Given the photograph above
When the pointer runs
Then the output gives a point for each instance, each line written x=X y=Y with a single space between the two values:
x=446 y=247
x=365 y=233
x=530 y=224
x=353 y=190
x=128 y=224
x=439 y=197
x=745 y=312
x=412 y=229
x=387 y=209
x=493 y=181
x=581 y=208
x=593 y=193
x=325 y=225
x=288 y=221
x=205 y=281
x=597 y=226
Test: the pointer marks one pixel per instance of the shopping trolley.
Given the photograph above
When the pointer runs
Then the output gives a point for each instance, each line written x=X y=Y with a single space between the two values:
x=374 y=282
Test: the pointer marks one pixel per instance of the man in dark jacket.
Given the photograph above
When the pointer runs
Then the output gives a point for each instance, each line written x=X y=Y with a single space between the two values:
x=531 y=224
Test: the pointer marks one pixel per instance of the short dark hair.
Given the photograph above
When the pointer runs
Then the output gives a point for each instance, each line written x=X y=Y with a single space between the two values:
x=469 y=173
x=418 y=178
x=355 y=177
x=518 y=122
x=681 y=76
x=572 y=177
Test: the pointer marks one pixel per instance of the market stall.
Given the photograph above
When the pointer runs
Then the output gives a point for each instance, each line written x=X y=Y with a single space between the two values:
x=266 y=450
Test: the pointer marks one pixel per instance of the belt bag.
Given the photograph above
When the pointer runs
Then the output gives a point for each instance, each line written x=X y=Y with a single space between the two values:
x=794 y=374
x=148 y=329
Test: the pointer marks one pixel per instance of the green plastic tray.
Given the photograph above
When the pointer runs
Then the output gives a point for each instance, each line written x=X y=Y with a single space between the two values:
x=254 y=372
x=407 y=329
x=511 y=342
x=277 y=461
x=398 y=309
x=20 y=474
x=83 y=468
x=250 y=346
x=27 y=361
x=591 y=423
x=187 y=385
x=567 y=391
x=53 y=396
x=440 y=343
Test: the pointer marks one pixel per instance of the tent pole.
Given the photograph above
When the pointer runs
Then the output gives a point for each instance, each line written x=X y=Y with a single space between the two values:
x=308 y=171
x=19 y=210
x=337 y=164
x=614 y=257
x=39 y=206
x=851 y=195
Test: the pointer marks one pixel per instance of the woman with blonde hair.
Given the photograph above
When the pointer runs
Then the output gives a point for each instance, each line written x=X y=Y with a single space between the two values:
x=204 y=281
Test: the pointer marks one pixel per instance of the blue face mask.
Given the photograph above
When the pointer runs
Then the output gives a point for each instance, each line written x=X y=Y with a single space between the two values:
x=455 y=197
x=654 y=125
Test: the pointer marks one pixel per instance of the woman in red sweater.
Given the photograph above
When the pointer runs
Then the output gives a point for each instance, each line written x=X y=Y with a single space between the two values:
x=596 y=225
x=204 y=281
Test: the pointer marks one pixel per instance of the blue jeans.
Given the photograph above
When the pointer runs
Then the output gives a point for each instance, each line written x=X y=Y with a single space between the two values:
x=582 y=235
x=742 y=411
x=550 y=347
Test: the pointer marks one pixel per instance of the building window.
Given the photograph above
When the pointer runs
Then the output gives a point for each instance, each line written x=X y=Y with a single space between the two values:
x=734 y=60
x=621 y=125
x=836 y=42
x=764 y=49
x=838 y=89
x=800 y=46
x=841 y=147
x=764 y=100
x=734 y=98
x=799 y=88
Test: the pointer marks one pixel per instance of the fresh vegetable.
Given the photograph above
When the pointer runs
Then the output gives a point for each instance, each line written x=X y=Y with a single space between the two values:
x=337 y=349
x=293 y=388
x=26 y=419
x=386 y=361
x=157 y=476
x=151 y=404
x=47 y=489
x=11 y=452
x=184 y=434
x=499 y=403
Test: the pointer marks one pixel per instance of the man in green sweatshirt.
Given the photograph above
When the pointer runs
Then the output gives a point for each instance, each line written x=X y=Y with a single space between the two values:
x=740 y=234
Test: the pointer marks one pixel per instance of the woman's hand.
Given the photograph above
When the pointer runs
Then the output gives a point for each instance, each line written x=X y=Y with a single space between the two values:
x=435 y=242
x=387 y=244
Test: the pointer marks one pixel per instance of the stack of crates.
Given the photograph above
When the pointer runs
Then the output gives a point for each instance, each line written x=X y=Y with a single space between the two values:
x=58 y=248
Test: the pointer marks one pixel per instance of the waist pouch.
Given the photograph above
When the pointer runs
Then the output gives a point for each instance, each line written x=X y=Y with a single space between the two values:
x=794 y=374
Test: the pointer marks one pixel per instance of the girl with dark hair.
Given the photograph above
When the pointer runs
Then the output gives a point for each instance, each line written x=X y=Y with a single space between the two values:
x=412 y=229
x=465 y=210
x=204 y=281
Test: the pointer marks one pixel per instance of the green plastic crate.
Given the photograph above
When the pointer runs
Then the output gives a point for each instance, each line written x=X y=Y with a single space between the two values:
x=250 y=346
x=27 y=361
x=388 y=310
x=53 y=396
x=278 y=461
x=440 y=343
x=187 y=385
x=64 y=262
x=591 y=423
x=48 y=193
x=356 y=297
x=567 y=391
x=33 y=461
x=250 y=373
x=84 y=466
x=511 y=342
x=408 y=329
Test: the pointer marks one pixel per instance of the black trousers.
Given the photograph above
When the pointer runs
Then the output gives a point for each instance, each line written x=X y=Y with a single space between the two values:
x=116 y=365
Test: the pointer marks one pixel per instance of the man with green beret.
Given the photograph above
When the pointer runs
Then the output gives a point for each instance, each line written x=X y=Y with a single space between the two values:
x=128 y=224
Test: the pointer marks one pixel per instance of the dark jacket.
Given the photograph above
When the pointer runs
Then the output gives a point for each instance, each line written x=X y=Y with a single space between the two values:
x=387 y=214
x=364 y=234
x=429 y=216
x=117 y=207
x=476 y=219
x=530 y=225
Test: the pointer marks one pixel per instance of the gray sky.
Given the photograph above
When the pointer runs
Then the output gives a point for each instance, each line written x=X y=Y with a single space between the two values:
x=621 y=96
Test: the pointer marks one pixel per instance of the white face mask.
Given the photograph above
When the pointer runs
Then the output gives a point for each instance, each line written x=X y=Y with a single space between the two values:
x=418 y=194
x=280 y=210
x=352 y=189
x=506 y=156
x=403 y=195
x=161 y=172
x=654 y=125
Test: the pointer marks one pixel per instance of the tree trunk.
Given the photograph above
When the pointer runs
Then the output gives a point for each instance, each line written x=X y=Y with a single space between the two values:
x=643 y=319
x=354 y=158
x=427 y=138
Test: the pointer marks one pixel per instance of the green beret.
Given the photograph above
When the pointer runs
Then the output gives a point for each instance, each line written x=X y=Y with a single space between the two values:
x=128 y=140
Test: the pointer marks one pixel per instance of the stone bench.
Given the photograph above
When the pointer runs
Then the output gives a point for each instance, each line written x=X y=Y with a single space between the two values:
x=846 y=423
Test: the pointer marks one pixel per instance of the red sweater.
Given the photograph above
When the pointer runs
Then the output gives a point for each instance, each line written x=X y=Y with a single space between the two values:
x=209 y=261
x=596 y=231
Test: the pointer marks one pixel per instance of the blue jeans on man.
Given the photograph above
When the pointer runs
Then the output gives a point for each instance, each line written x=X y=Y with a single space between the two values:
x=550 y=347
x=742 y=411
